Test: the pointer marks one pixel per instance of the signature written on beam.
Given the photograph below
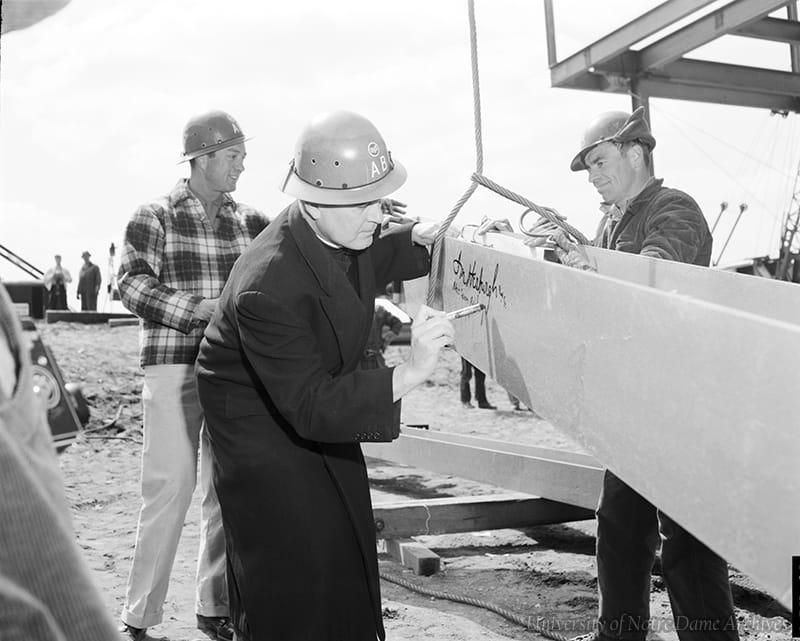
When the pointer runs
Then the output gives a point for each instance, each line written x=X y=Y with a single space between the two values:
x=470 y=280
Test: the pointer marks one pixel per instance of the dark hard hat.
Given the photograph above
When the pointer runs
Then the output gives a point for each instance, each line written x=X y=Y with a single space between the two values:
x=614 y=126
x=210 y=132
x=342 y=159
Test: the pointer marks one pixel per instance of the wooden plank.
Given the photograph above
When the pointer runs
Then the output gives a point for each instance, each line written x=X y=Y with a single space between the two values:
x=690 y=395
x=87 y=318
x=123 y=322
x=414 y=555
x=544 y=473
x=402 y=519
x=549 y=453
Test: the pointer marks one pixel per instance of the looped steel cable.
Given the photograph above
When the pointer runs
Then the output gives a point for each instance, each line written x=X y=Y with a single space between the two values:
x=525 y=622
x=545 y=212
x=478 y=179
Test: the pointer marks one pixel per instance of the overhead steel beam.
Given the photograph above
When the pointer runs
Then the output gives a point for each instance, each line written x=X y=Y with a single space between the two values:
x=704 y=30
x=623 y=38
x=721 y=96
x=702 y=81
x=775 y=29
x=794 y=49
x=672 y=89
x=724 y=76
x=721 y=83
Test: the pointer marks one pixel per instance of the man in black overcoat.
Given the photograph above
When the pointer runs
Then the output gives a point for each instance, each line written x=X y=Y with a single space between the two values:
x=285 y=404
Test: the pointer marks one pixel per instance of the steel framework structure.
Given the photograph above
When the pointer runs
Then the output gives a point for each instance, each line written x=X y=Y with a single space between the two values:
x=660 y=69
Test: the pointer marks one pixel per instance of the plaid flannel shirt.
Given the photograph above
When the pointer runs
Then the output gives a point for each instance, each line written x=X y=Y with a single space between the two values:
x=172 y=259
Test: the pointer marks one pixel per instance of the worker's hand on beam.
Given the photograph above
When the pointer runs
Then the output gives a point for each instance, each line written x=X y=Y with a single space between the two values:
x=395 y=219
x=571 y=253
x=392 y=207
x=493 y=224
x=425 y=231
x=541 y=233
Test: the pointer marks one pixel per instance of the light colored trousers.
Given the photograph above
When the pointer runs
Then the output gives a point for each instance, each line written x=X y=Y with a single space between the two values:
x=173 y=436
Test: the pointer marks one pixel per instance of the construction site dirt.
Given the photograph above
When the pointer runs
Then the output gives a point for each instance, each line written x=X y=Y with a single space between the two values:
x=545 y=574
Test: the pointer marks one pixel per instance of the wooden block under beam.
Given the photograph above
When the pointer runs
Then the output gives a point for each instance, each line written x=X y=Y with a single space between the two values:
x=402 y=519
x=414 y=555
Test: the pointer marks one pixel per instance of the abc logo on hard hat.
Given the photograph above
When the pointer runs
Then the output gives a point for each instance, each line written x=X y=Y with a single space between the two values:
x=341 y=159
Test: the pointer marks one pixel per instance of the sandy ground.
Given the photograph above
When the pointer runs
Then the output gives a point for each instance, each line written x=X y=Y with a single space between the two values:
x=543 y=574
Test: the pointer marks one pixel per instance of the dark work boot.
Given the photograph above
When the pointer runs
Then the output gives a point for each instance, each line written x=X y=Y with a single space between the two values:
x=216 y=628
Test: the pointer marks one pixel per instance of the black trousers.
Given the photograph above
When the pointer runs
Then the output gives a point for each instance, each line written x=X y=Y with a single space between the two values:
x=480 y=382
x=629 y=529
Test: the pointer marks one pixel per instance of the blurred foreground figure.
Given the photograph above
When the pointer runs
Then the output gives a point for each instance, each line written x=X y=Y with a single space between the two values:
x=177 y=255
x=285 y=402
x=46 y=592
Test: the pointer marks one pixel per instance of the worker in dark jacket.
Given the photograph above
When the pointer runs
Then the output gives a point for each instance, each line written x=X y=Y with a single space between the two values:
x=89 y=281
x=287 y=408
x=642 y=216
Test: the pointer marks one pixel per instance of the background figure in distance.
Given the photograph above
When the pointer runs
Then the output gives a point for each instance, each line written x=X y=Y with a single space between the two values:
x=178 y=252
x=89 y=281
x=286 y=403
x=55 y=281
x=467 y=369
x=516 y=404
x=642 y=216
x=46 y=589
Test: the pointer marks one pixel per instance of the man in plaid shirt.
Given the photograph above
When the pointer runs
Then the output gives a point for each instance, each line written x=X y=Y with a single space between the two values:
x=177 y=255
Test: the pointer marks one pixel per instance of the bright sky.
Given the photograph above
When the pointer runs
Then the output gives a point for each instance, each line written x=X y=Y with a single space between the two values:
x=93 y=101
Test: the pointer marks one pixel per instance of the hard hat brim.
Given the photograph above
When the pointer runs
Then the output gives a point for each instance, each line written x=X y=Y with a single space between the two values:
x=577 y=163
x=209 y=150
x=302 y=190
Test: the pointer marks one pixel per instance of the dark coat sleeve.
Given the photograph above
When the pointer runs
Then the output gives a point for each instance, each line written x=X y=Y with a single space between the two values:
x=395 y=257
x=676 y=230
x=284 y=351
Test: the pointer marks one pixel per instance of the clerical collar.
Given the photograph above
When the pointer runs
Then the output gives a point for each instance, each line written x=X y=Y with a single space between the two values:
x=325 y=241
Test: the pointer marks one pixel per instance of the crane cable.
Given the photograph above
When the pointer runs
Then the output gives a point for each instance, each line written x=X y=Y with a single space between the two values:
x=478 y=178
x=552 y=216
